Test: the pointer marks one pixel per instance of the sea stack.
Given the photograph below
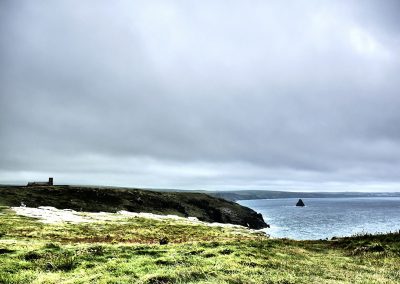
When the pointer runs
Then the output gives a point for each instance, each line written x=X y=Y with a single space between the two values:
x=300 y=203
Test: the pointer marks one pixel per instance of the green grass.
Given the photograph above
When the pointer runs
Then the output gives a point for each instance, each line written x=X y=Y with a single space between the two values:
x=129 y=251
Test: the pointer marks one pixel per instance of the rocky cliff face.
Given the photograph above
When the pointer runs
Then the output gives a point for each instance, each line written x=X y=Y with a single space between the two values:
x=95 y=199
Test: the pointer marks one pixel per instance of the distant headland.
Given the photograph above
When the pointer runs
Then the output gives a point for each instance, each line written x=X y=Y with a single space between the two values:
x=112 y=199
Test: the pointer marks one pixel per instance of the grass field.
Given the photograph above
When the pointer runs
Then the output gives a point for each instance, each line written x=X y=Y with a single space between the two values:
x=129 y=251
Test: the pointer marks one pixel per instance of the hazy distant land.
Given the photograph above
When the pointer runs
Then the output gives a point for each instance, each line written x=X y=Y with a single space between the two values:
x=235 y=195
x=266 y=194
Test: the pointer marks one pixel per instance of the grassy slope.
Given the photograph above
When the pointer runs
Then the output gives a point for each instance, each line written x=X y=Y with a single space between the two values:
x=200 y=205
x=129 y=252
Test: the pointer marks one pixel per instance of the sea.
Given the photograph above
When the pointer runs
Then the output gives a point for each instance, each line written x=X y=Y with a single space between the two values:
x=324 y=218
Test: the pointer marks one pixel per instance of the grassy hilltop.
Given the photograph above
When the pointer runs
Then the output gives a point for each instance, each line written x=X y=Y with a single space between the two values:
x=151 y=251
x=129 y=251
x=94 y=199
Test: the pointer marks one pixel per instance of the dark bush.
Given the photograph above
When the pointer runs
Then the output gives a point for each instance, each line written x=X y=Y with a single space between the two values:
x=164 y=241
x=160 y=280
x=32 y=255
x=226 y=251
x=215 y=215
x=52 y=246
x=64 y=262
x=4 y=251
x=96 y=250
x=201 y=203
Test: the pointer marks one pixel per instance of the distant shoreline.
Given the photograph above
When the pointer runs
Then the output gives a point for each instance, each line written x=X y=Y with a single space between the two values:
x=235 y=195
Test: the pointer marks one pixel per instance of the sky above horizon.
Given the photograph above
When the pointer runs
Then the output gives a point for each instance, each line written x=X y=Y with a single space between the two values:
x=275 y=95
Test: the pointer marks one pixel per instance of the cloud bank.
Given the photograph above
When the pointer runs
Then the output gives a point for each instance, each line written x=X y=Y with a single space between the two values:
x=285 y=95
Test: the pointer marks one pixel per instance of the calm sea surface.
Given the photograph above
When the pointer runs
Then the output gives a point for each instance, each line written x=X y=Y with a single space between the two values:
x=328 y=217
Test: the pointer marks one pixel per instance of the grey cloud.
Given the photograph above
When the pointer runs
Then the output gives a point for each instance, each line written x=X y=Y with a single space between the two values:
x=201 y=95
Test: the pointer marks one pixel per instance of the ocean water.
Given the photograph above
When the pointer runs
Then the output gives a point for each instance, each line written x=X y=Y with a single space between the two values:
x=323 y=218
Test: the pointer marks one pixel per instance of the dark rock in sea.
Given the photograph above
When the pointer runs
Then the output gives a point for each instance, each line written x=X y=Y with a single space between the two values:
x=300 y=203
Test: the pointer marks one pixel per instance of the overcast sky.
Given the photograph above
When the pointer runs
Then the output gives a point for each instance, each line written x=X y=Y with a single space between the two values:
x=279 y=95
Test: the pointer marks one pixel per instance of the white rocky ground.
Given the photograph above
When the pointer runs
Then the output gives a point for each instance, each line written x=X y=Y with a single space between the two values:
x=52 y=215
